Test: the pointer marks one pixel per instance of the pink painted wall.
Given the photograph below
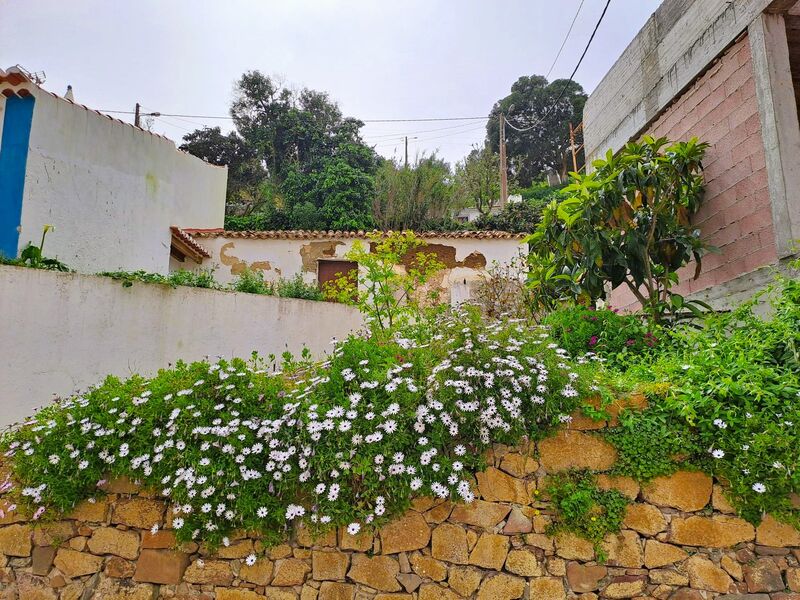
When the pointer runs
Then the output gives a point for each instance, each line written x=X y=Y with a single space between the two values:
x=721 y=108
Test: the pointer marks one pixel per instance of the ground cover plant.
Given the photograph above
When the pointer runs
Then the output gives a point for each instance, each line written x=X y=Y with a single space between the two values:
x=584 y=509
x=349 y=442
x=201 y=279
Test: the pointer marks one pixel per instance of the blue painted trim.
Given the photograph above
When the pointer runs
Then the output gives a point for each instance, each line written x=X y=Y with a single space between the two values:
x=13 y=159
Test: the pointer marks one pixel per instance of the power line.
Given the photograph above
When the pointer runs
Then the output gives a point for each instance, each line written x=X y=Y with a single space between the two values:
x=570 y=79
x=420 y=120
x=566 y=37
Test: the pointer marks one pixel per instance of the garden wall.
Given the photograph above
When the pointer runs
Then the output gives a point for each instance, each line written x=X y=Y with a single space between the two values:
x=61 y=332
x=679 y=541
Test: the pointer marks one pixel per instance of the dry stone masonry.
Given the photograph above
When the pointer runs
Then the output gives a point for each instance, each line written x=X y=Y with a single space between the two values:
x=680 y=541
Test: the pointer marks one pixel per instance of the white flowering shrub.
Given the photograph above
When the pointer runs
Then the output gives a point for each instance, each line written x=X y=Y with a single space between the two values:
x=350 y=444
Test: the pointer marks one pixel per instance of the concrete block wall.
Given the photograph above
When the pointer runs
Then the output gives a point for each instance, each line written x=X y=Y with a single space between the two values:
x=721 y=108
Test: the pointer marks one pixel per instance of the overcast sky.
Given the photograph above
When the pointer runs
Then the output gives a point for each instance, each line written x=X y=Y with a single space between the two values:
x=377 y=59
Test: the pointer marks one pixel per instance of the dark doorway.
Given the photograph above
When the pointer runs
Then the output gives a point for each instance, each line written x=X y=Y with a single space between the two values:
x=331 y=270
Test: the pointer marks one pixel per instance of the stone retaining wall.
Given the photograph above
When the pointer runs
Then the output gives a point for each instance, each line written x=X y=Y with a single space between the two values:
x=680 y=541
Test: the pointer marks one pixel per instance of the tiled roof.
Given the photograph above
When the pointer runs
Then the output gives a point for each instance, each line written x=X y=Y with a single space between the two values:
x=14 y=82
x=189 y=241
x=302 y=234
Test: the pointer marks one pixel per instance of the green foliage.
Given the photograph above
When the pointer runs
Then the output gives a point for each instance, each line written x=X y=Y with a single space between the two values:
x=252 y=282
x=730 y=402
x=580 y=329
x=584 y=509
x=297 y=288
x=517 y=217
x=345 y=443
x=531 y=106
x=203 y=278
x=478 y=179
x=295 y=162
x=32 y=257
x=412 y=197
x=628 y=222
x=651 y=443
x=388 y=296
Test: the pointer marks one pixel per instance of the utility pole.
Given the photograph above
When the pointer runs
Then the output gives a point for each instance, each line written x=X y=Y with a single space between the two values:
x=136 y=116
x=406 y=138
x=574 y=148
x=503 y=169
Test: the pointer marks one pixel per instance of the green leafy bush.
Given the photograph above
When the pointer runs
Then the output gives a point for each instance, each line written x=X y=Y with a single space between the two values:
x=731 y=403
x=584 y=509
x=628 y=222
x=651 y=444
x=297 y=288
x=346 y=443
x=252 y=282
x=580 y=329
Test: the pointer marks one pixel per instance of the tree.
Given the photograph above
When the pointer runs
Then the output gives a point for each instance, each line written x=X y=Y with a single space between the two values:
x=248 y=187
x=412 y=197
x=628 y=223
x=294 y=160
x=478 y=179
x=532 y=107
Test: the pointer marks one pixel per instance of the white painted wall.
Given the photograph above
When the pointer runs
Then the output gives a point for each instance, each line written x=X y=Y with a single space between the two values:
x=62 y=332
x=111 y=190
x=285 y=259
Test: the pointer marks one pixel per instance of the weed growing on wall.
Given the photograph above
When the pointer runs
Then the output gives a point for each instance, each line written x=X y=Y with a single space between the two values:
x=349 y=443
x=584 y=509
x=200 y=279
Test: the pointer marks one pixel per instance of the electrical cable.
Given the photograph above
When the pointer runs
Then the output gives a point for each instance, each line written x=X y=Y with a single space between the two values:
x=566 y=37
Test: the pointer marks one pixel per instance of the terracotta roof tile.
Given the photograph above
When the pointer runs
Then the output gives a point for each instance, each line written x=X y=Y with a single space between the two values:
x=302 y=234
x=189 y=241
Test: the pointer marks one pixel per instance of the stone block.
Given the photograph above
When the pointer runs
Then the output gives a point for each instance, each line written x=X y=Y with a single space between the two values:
x=428 y=567
x=644 y=518
x=719 y=531
x=659 y=554
x=289 y=572
x=688 y=491
x=76 y=564
x=379 y=572
x=573 y=547
x=501 y=587
x=763 y=576
x=409 y=532
x=449 y=543
x=161 y=566
x=705 y=575
x=496 y=486
x=523 y=562
x=624 y=549
x=259 y=573
x=434 y=591
x=578 y=450
x=547 y=588
x=336 y=591
x=479 y=513
x=15 y=540
x=585 y=578
x=141 y=513
x=464 y=580
x=329 y=565
x=490 y=552
x=107 y=540
x=209 y=572
x=772 y=532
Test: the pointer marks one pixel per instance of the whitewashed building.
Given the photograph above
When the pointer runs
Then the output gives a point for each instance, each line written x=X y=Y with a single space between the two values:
x=317 y=256
x=112 y=191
